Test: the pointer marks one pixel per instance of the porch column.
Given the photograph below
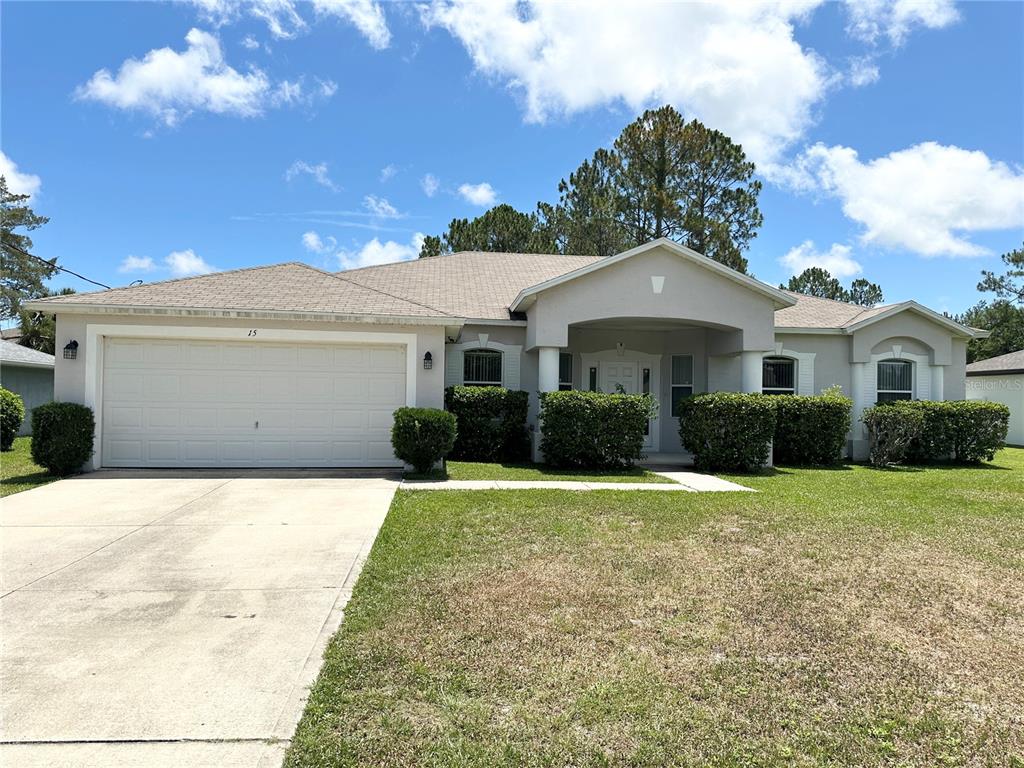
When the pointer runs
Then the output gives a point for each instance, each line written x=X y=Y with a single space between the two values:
x=938 y=374
x=750 y=371
x=547 y=369
x=858 y=393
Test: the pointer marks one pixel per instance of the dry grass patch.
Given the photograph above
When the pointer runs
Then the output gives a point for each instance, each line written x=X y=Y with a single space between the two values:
x=808 y=624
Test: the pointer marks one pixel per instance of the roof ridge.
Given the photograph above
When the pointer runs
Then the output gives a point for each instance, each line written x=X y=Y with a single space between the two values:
x=337 y=276
x=836 y=301
x=418 y=259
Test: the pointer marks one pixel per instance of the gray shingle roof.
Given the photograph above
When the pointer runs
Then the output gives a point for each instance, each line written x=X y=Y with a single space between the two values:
x=1012 y=362
x=470 y=284
x=812 y=312
x=292 y=287
x=15 y=354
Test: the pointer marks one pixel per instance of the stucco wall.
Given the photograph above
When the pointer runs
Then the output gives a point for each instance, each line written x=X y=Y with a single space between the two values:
x=33 y=385
x=1007 y=389
x=831 y=357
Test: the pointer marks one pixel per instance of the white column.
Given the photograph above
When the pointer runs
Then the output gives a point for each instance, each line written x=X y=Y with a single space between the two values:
x=547 y=369
x=750 y=371
x=938 y=374
x=858 y=395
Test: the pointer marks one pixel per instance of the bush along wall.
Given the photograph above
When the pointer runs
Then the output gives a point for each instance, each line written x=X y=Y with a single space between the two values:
x=892 y=427
x=12 y=411
x=810 y=430
x=728 y=430
x=422 y=436
x=593 y=430
x=62 y=435
x=491 y=423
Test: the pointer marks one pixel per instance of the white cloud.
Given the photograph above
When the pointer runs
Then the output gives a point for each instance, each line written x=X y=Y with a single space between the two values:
x=280 y=16
x=327 y=87
x=318 y=172
x=137 y=264
x=250 y=43
x=478 y=194
x=388 y=172
x=926 y=198
x=375 y=252
x=836 y=259
x=871 y=19
x=365 y=15
x=735 y=66
x=316 y=244
x=187 y=263
x=18 y=182
x=863 y=71
x=380 y=208
x=171 y=85
x=430 y=184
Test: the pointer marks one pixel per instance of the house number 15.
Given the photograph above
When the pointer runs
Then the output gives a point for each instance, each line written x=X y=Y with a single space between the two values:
x=252 y=332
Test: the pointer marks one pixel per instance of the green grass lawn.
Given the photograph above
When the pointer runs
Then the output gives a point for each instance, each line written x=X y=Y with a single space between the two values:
x=17 y=470
x=841 y=617
x=475 y=470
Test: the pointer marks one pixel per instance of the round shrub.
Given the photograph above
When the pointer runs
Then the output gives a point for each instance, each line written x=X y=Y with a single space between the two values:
x=892 y=428
x=728 y=430
x=491 y=423
x=810 y=430
x=12 y=412
x=593 y=430
x=62 y=436
x=422 y=436
x=965 y=431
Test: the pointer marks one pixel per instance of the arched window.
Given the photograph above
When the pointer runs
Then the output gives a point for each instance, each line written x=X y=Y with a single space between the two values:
x=895 y=380
x=778 y=376
x=481 y=368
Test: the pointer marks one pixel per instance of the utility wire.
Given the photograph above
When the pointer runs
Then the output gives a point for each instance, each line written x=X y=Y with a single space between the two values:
x=53 y=264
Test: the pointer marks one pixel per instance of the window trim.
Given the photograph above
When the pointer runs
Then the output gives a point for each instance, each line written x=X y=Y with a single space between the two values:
x=673 y=386
x=487 y=353
x=564 y=385
x=879 y=391
x=793 y=362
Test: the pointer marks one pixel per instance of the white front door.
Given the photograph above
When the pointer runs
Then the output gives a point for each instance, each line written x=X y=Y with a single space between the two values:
x=626 y=377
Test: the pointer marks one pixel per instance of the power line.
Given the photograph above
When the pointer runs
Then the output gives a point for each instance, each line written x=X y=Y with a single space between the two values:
x=54 y=265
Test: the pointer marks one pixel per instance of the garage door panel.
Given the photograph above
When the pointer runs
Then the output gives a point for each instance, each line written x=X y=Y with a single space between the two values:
x=197 y=403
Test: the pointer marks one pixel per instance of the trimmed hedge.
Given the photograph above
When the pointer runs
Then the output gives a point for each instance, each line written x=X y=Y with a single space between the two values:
x=12 y=411
x=422 y=436
x=62 y=435
x=963 y=431
x=728 y=430
x=892 y=427
x=491 y=423
x=592 y=429
x=810 y=430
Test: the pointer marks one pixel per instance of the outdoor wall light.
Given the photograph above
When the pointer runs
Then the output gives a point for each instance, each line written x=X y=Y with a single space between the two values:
x=428 y=361
x=71 y=350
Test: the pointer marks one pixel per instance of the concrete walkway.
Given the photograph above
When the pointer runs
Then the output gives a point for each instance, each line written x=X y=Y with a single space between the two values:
x=173 y=619
x=681 y=481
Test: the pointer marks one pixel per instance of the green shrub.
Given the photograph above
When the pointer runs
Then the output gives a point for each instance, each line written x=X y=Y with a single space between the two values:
x=62 y=435
x=491 y=423
x=892 y=428
x=422 y=436
x=727 y=430
x=810 y=430
x=592 y=429
x=965 y=431
x=12 y=411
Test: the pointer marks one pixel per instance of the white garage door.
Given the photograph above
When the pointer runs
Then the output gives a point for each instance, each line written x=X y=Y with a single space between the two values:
x=184 y=403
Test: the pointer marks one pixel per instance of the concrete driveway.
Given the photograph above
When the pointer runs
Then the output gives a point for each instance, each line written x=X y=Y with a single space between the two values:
x=171 y=619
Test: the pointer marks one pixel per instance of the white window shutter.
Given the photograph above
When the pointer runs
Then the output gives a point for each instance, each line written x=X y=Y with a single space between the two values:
x=452 y=365
x=805 y=372
x=510 y=367
x=923 y=373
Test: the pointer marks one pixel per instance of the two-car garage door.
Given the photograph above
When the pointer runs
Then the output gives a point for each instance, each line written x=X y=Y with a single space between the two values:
x=190 y=403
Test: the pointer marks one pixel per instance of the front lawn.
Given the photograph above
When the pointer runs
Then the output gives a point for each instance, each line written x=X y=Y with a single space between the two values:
x=475 y=470
x=840 y=617
x=17 y=470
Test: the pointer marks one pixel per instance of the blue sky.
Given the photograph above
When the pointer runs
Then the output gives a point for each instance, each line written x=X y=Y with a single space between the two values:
x=166 y=139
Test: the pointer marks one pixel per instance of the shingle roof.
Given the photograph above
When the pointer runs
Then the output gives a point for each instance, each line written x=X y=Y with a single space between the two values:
x=812 y=312
x=470 y=284
x=292 y=287
x=1012 y=362
x=15 y=354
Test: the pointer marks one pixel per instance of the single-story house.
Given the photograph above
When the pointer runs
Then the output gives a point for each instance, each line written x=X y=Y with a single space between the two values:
x=1001 y=380
x=27 y=373
x=288 y=365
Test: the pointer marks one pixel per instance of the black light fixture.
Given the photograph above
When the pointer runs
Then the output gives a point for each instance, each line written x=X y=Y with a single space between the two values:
x=71 y=350
x=428 y=361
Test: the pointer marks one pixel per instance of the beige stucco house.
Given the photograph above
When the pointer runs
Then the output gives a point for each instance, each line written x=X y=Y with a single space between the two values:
x=290 y=366
x=1001 y=380
x=27 y=373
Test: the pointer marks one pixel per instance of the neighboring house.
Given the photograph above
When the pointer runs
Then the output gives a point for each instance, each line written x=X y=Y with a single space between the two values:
x=29 y=374
x=1001 y=380
x=11 y=334
x=290 y=366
